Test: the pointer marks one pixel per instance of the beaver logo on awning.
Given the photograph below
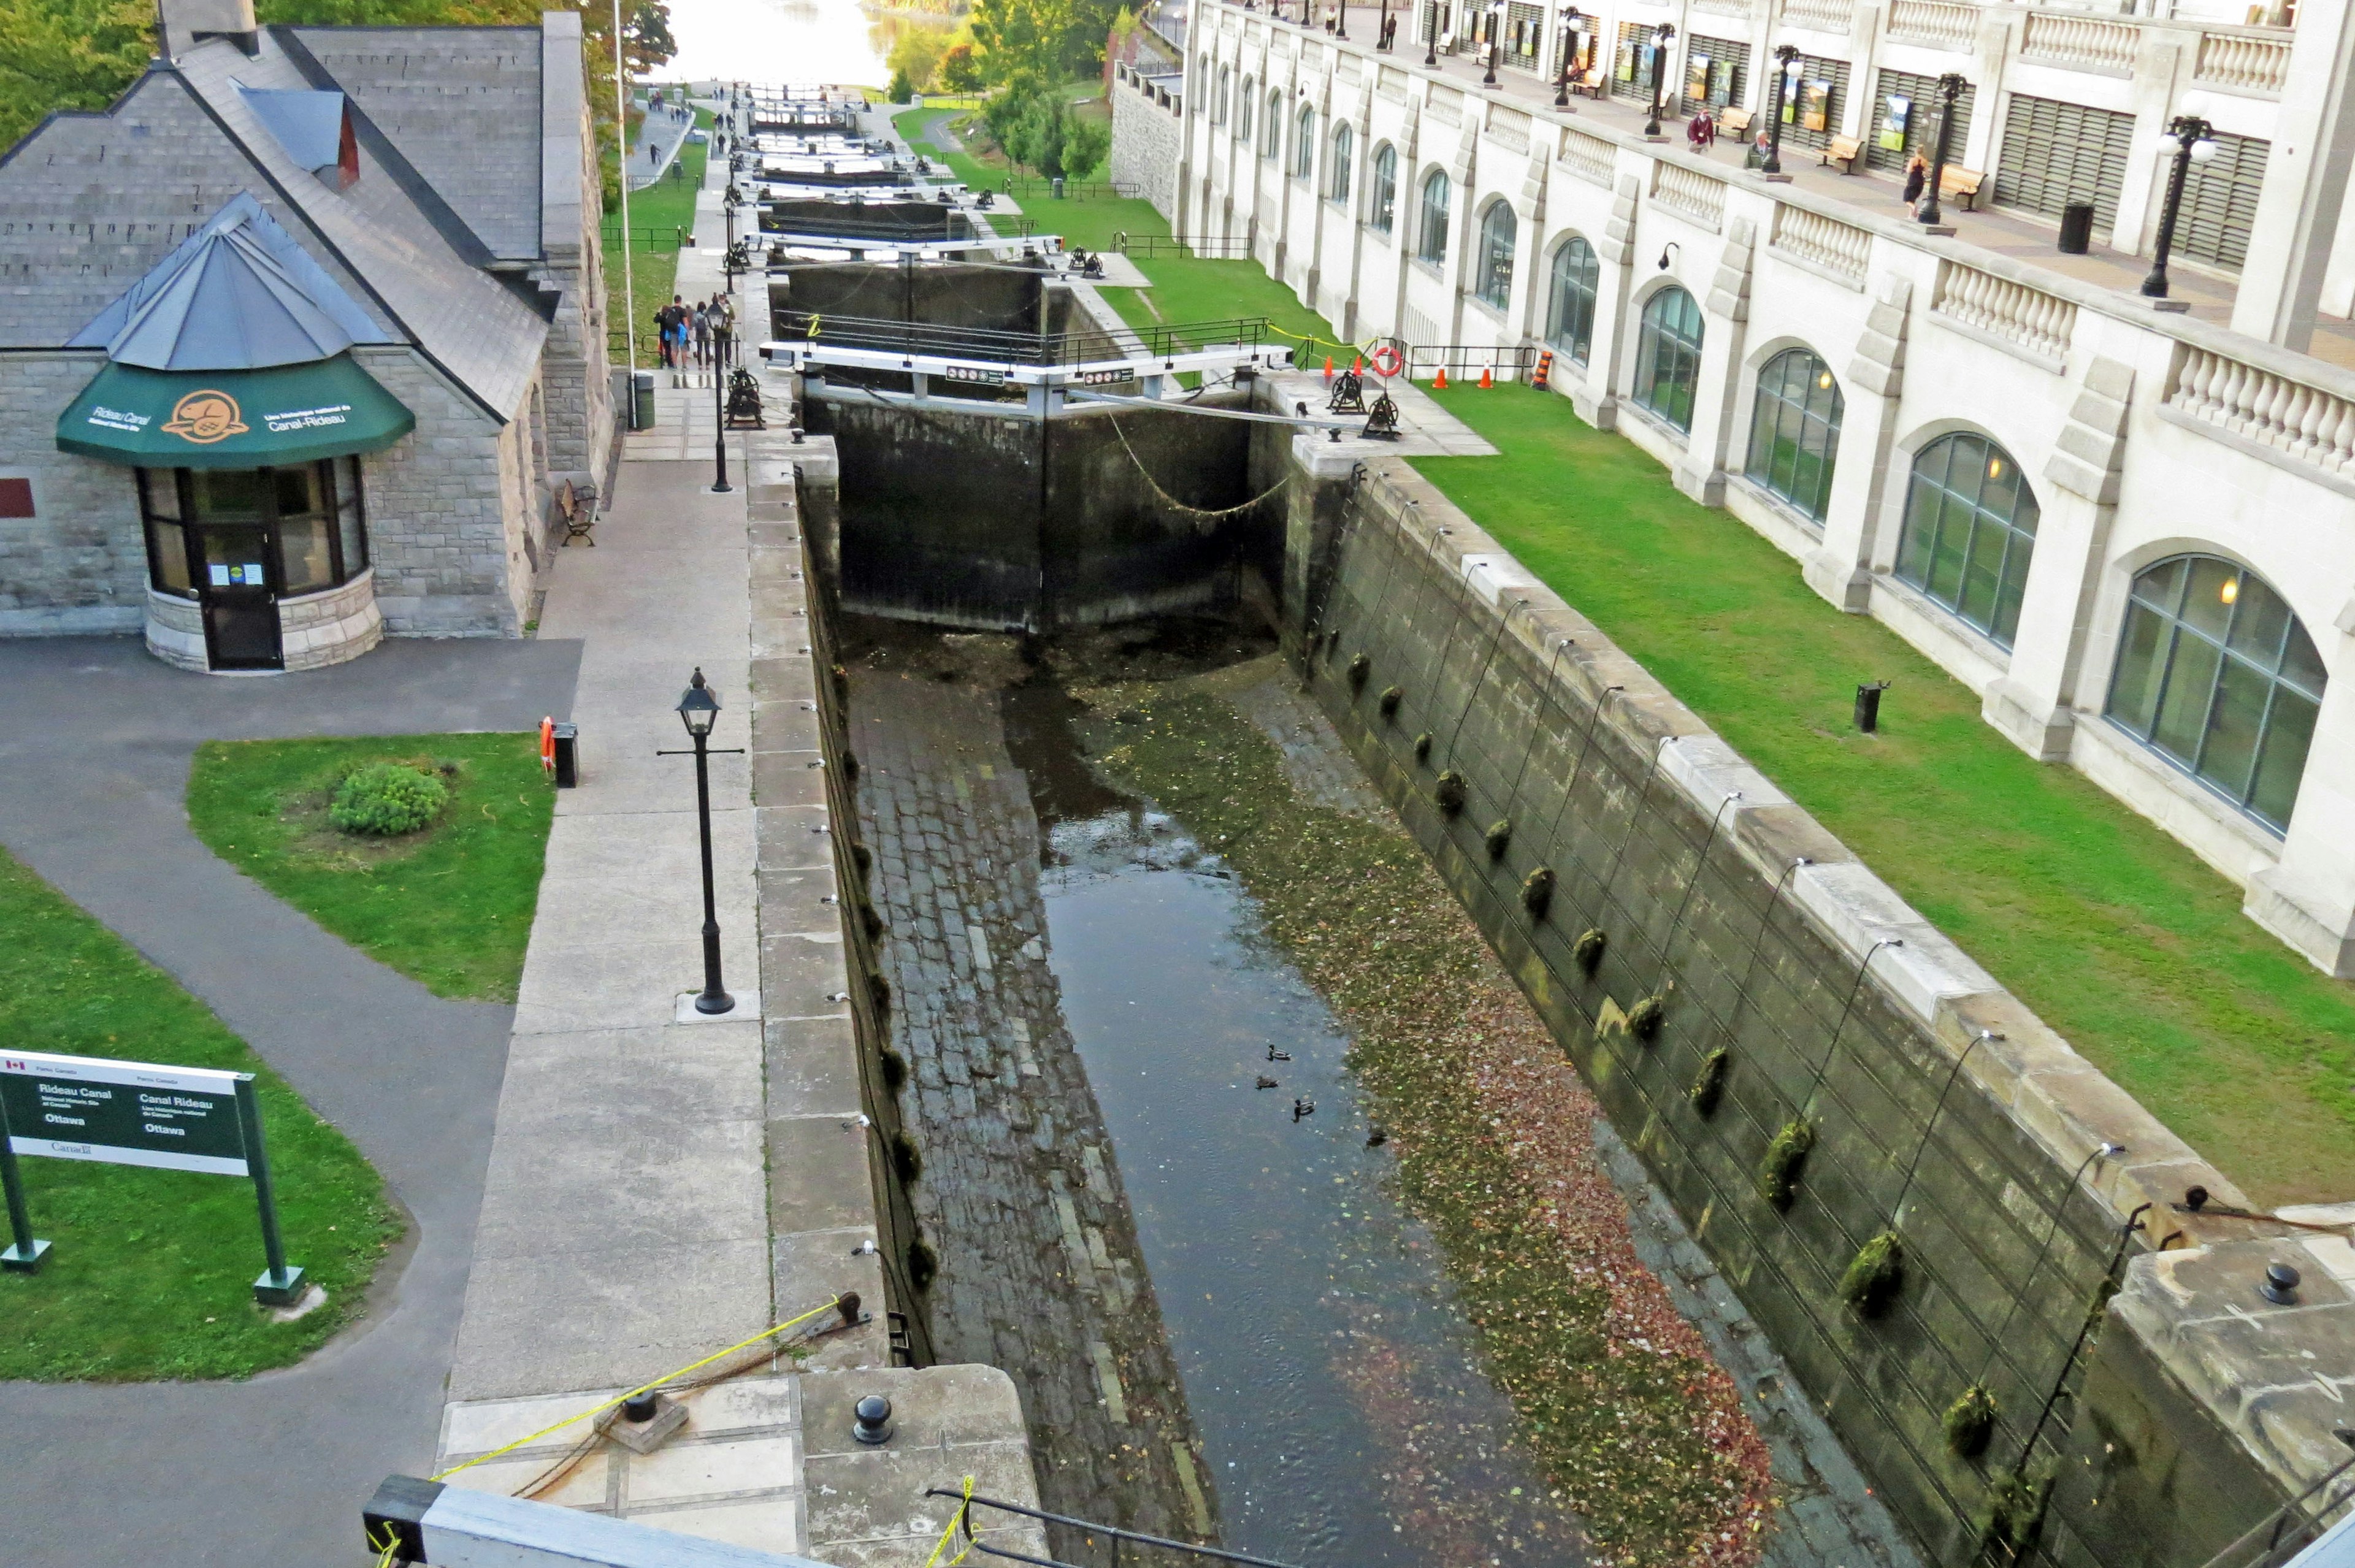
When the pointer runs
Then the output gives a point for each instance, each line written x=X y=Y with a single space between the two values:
x=205 y=417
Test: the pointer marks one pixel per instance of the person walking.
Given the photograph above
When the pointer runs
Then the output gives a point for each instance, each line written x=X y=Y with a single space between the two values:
x=1700 y=131
x=702 y=322
x=1917 y=174
x=723 y=331
x=1762 y=147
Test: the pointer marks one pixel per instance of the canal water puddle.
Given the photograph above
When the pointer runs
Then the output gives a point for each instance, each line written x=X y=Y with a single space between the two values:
x=1332 y=1379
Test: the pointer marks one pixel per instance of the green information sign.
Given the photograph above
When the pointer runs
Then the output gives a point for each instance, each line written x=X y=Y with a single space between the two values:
x=134 y=1113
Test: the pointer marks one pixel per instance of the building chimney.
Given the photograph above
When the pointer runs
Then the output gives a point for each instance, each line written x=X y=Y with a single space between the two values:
x=186 y=23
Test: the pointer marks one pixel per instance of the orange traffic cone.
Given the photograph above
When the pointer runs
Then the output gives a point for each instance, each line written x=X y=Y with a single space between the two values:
x=1439 y=382
x=1487 y=379
x=1328 y=367
x=1357 y=365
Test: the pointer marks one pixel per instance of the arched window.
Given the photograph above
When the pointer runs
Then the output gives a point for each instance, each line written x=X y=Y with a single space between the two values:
x=1667 y=355
x=1344 y=139
x=1304 y=143
x=1244 y=104
x=1970 y=531
x=1274 y=142
x=1795 y=430
x=1383 y=213
x=1219 y=104
x=2215 y=675
x=1431 y=239
x=1493 y=281
x=1570 y=316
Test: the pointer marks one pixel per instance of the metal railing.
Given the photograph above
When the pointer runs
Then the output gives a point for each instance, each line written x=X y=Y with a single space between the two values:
x=997 y=347
x=1113 y=1534
x=1460 y=360
x=2290 y=1529
x=1206 y=248
x=646 y=236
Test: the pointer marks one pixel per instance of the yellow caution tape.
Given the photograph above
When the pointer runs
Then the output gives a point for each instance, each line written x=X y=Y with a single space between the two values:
x=643 y=1388
x=965 y=1510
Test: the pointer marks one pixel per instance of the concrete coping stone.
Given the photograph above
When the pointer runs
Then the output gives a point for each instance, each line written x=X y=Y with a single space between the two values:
x=2057 y=1096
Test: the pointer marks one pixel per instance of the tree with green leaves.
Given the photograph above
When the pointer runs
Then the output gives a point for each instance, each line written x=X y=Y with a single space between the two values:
x=1043 y=40
x=1040 y=131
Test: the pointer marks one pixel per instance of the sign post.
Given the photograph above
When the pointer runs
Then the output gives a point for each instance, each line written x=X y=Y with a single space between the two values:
x=136 y=1112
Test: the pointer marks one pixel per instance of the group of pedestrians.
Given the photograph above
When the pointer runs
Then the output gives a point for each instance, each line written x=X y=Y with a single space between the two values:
x=699 y=337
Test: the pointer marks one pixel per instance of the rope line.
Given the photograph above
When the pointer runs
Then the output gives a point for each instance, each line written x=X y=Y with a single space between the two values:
x=1214 y=515
x=643 y=1388
x=963 y=1516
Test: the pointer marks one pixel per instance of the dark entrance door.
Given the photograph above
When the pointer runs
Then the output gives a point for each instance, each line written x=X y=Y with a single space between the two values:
x=234 y=586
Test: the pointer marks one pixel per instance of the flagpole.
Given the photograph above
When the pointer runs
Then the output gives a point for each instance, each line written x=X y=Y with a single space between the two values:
x=621 y=162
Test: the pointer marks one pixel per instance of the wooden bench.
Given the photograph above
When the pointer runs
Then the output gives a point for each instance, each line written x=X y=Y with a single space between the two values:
x=577 y=511
x=1962 y=183
x=1589 y=82
x=1733 y=121
x=1843 y=152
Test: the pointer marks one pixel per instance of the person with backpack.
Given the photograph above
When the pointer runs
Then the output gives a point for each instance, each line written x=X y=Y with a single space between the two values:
x=701 y=319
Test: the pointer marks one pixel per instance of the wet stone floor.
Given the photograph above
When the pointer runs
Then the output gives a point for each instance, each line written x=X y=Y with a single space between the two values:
x=1222 y=1324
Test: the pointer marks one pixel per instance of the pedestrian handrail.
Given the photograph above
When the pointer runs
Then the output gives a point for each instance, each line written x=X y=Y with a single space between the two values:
x=969 y=1501
x=1506 y=362
x=1204 y=247
x=993 y=346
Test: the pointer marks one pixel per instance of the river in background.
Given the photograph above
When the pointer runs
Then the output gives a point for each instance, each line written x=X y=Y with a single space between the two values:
x=837 y=42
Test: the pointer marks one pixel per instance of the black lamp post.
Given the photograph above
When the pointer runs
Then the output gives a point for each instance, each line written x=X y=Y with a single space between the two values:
x=1660 y=38
x=1570 y=20
x=1430 y=53
x=1495 y=40
x=1786 y=68
x=1382 y=27
x=1950 y=88
x=698 y=709
x=2191 y=140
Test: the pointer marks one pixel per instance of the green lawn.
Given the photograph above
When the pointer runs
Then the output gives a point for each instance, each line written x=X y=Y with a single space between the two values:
x=152 y=1270
x=656 y=213
x=1184 y=288
x=2112 y=931
x=450 y=906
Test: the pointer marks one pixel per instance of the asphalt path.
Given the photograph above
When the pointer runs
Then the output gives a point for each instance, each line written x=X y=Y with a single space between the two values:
x=95 y=742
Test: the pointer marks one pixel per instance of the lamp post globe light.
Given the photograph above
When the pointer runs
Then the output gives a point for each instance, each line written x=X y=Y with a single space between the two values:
x=699 y=709
x=1786 y=75
x=1430 y=51
x=1569 y=20
x=1660 y=38
x=2189 y=140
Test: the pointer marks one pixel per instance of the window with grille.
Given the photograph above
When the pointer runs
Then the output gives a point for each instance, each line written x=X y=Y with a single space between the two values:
x=1382 y=211
x=1570 y=312
x=1344 y=141
x=1667 y=357
x=1274 y=142
x=2220 y=201
x=2055 y=154
x=1717 y=73
x=1970 y=531
x=1304 y=144
x=1795 y=430
x=1493 y=281
x=2217 y=676
x=1244 y=119
x=1894 y=138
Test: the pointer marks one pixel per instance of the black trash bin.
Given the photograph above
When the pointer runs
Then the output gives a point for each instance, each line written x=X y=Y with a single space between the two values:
x=2076 y=228
x=568 y=756
x=642 y=400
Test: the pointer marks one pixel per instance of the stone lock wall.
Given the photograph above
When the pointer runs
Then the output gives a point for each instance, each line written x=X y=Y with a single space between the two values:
x=1146 y=140
x=1682 y=923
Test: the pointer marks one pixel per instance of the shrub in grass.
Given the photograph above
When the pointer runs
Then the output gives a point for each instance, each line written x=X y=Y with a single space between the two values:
x=1709 y=1083
x=1875 y=1276
x=1536 y=891
x=1451 y=791
x=1970 y=1422
x=384 y=800
x=1778 y=1172
x=1391 y=697
x=1499 y=837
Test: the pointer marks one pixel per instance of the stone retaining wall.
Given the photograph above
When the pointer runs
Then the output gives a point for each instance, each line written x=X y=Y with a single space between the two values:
x=1694 y=910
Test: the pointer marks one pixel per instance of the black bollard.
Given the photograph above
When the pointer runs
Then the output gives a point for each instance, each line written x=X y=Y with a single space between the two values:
x=1868 y=706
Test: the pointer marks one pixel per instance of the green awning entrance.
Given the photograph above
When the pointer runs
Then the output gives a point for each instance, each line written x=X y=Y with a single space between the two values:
x=283 y=415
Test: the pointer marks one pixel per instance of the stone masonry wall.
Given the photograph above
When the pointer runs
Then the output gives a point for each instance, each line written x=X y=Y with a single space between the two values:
x=1679 y=904
x=79 y=564
x=1145 y=146
x=444 y=516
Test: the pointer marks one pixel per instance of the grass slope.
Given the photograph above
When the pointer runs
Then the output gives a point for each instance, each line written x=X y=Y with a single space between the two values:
x=2116 y=935
x=657 y=215
x=450 y=907
x=153 y=1273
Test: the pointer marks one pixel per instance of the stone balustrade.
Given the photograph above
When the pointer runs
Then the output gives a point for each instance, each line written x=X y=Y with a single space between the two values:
x=2080 y=43
x=1838 y=248
x=2039 y=322
x=1820 y=15
x=1933 y=22
x=2304 y=422
x=1695 y=194
x=1588 y=156
x=2243 y=62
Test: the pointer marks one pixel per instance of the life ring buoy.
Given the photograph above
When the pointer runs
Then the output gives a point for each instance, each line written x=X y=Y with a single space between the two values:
x=1387 y=361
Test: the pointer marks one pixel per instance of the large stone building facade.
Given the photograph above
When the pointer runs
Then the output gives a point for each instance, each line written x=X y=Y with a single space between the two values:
x=2132 y=533
x=436 y=192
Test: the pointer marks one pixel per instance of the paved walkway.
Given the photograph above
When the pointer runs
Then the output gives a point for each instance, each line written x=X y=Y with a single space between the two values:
x=660 y=140
x=2209 y=293
x=95 y=741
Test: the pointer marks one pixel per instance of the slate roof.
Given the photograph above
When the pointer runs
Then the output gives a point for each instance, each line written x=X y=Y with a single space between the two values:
x=238 y=294
x=91 y=203
x=462 y=105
